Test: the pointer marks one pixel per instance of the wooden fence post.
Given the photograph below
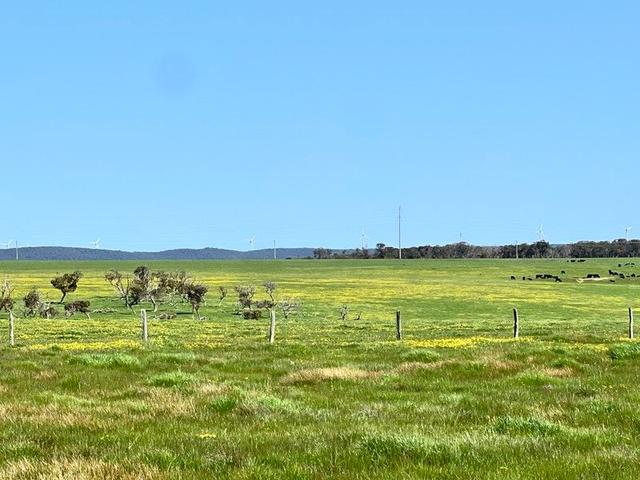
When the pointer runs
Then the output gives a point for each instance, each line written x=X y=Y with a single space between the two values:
x=630 y=322
x=516 y=330
x=145 y=330
x=398 y=326
x=272 y=326
x=12 y=338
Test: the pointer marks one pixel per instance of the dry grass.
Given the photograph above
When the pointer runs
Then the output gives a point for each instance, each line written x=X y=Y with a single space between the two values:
x=557 y=372
x=314 y=375
x=409 y=367
x=77 y=469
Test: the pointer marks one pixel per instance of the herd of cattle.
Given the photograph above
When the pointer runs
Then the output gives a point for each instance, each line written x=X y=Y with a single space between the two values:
x=589 y=276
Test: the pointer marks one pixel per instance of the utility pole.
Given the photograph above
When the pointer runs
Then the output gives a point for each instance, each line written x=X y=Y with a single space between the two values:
x=275 y=255
x=400 y=233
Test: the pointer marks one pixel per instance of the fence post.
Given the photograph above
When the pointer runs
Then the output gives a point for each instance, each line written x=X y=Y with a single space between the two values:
x=12 y=338
x=398 y=326
x=516 y=330
x=630 y=322
x=145 y=330
x=272 y=326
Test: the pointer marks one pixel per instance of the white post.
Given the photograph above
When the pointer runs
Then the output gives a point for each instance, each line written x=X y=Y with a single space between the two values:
x=516 y=327
x=12 y=338
x=630 y=322
x=399 y=233
x=145 y=331
x=272 y=326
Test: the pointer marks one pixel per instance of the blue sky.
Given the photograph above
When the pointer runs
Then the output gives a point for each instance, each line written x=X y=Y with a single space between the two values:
x=157 y=124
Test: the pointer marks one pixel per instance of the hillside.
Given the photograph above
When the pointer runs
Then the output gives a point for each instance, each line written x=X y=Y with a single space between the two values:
x=73 y=253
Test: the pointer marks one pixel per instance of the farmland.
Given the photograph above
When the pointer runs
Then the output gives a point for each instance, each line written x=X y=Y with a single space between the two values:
x=457 y=397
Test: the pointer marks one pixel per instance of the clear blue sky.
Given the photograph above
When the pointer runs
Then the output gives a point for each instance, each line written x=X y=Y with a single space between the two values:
x=157 y=124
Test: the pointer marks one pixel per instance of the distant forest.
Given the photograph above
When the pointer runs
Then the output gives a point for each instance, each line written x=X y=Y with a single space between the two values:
x=542 y=249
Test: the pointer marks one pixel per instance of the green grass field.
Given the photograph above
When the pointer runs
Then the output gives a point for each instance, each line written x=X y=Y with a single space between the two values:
x=456 y=398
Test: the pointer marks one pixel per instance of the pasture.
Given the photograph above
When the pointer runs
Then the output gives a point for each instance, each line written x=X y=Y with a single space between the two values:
x=457 y=397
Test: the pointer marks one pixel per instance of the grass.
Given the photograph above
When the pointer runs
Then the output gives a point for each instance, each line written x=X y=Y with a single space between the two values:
x=456 y=398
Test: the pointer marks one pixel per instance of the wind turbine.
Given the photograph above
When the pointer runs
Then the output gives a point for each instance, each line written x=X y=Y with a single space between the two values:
x=363 y=239
x=96 y=244
x=540 y=233
x=8 y=245
x=252 y=242
x=626 y=232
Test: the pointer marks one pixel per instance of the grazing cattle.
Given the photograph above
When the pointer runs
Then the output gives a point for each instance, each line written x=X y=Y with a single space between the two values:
x=612 y=280
x=619 y=265
x=530 y=279
x=563 y=272
x=633 y=275
x=513 y=277
x=621 y=275
x=558 y=279
x=581 y=260
x=593 y=275
x=573 y=260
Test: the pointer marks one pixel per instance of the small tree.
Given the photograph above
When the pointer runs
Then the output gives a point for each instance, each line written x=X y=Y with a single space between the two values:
x=144 y=286
x=32 y=303
x=117 y=281
x=6 y=293
x=246 y=303
x=222 y=294
x=195 y=293
x=344 y=313
x=79 y=306
x=67 y=283
x=289 y=307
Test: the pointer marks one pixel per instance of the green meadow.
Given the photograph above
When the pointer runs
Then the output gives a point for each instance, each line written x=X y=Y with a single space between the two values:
x=334 y=397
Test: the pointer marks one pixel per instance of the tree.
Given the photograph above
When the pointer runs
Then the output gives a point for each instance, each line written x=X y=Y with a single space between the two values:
x=6 y=293
x=32 y=303
x=67 y=283
x=195 y=293
x=144 y=286
x=245 y=301
x=116 y=280
x=222 y=294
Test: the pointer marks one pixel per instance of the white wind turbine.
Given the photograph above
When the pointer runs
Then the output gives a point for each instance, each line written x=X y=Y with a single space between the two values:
x=96 y=244
x=626 y=232
x=363 y=239
x=540 y=233
x=7 y=245
x=252 y=242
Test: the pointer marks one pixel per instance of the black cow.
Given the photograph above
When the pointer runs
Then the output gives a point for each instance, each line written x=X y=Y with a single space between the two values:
x=513 y=277
x=563 y=272
x=593 y=275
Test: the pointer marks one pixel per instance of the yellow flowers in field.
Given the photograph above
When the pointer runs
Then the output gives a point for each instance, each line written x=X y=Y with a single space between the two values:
x=458 y=342
x=89 y=346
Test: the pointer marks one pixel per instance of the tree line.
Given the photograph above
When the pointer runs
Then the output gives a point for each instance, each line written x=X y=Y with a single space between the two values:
x=540 y=249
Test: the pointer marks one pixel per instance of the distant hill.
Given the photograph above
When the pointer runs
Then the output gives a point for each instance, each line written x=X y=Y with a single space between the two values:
x=73 y=253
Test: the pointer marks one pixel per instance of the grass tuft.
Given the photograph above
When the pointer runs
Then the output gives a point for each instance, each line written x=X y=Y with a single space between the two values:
x=526 y=426
x=395 y=447
x=624 y=350
x=315 y=375
x=172 y=379
x=102 y=360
